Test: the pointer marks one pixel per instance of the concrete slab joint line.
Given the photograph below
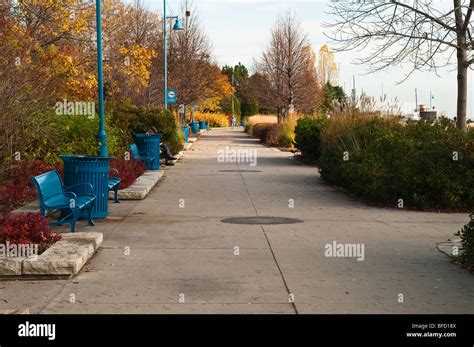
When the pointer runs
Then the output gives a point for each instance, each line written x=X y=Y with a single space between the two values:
x=290 y=295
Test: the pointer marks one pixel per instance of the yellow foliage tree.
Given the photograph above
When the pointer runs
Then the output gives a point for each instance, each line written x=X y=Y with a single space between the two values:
x=327 y=67
x=217 y=91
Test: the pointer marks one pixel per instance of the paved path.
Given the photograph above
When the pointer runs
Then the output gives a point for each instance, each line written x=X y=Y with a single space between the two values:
x=184 y=252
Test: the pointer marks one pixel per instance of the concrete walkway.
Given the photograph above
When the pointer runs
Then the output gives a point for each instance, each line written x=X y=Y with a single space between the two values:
x=172 y=254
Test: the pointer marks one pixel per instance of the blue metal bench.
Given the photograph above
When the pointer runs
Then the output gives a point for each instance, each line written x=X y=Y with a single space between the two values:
x=53 y=196
x=114 y=185
x=146 y=157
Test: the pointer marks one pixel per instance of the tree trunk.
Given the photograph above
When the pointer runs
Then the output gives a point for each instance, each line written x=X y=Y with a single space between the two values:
x=462 y=66
x=279 y=114
x=462 y=89
x=291 y=103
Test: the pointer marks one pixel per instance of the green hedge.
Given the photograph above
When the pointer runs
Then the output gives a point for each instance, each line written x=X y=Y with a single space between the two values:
x=49 y=135
x=131 y=119
x=308 y=136
x=388 y=161
x=467 y=238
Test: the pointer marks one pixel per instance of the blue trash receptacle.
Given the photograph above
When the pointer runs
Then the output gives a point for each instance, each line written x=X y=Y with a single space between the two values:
x=202 y=125
x=194 y=127
x=149 y=145
x=80 y=169
x=186 y=133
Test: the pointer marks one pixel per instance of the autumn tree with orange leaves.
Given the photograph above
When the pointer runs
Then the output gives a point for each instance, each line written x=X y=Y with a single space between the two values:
x=48 y=53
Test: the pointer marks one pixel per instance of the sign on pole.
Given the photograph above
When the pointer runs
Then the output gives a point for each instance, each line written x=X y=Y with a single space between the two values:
x=171 y=96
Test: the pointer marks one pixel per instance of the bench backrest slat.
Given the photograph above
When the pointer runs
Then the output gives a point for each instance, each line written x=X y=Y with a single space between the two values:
x=48 y=184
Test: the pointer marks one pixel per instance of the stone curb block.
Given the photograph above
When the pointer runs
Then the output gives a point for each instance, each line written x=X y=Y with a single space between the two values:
x=11 y=266
x=141 y=187
x=65 y=257
x=448 y=247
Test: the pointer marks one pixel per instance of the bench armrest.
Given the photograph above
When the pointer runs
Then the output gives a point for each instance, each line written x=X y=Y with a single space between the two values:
x=70 y=195
x=90 y=187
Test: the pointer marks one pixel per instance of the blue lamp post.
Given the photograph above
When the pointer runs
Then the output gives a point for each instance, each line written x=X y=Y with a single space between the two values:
x=84 y=171
x=177 y=26
x=102 y=136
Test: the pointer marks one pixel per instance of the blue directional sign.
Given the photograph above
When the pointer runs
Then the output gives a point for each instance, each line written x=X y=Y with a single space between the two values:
x=171 y=96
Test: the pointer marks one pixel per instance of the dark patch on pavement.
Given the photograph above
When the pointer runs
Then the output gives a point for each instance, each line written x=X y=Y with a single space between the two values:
x=239 y=171
x=261 y=220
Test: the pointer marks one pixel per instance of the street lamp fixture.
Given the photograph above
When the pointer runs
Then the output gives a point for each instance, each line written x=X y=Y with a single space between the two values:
x=177 y=25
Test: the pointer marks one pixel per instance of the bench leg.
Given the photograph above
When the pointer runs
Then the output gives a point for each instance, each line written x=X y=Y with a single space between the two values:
x=75 y=216
x=116 y=200
x=91 y=222
x=63 y=218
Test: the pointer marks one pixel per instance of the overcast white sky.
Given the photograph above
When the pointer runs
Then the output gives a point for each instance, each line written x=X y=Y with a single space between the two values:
x=240 y=29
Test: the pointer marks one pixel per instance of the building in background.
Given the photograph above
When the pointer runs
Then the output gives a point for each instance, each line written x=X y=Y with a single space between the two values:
x=428 y=114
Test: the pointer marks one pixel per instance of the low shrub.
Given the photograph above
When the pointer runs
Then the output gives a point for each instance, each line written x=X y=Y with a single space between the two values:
x=271 y=134
x=129 y=170
x=27 y=228
x=248 y=127
x=425 y=165
x=286 y=137
x=59 y=134
x=274 y=134
x=132 y=119
x=212 y=119
x=467 y=239
x=308 y=136
x=16 y=190
x=260 y=130
x=167 y=127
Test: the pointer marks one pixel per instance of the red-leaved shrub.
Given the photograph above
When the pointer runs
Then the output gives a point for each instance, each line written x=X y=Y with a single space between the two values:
x=27 y=228
x=16 y=191
x=129 y=170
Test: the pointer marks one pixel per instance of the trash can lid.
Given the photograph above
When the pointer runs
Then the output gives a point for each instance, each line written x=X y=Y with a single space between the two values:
x=82 y=157
x=145 y=135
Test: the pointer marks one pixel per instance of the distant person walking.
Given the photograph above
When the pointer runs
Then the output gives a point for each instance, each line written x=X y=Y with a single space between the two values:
x=233 y=121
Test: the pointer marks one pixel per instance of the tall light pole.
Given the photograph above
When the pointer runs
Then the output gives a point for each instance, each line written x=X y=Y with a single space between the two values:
x=177 y=26
x=102 y=136
x=233 y=85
